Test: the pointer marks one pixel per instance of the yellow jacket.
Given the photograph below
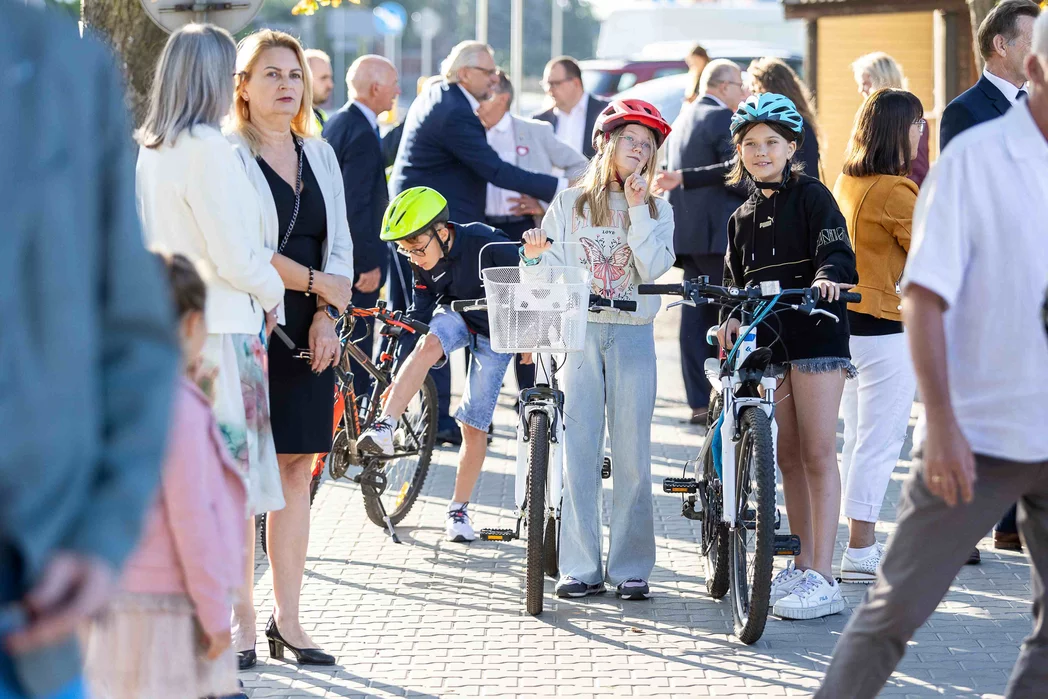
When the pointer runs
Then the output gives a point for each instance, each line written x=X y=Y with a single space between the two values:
x=879 y=211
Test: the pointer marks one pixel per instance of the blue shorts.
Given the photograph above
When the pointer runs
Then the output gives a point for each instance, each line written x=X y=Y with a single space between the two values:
x=487 y=368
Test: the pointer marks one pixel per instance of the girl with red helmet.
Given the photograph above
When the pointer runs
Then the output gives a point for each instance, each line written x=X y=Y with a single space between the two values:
x=626 y=237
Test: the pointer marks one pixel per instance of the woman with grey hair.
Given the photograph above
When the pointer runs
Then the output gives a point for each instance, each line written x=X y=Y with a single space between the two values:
x=194 y=199
x=876 y=71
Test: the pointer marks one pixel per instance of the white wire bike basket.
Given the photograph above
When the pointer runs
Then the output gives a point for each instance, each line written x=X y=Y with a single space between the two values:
x=542 y=308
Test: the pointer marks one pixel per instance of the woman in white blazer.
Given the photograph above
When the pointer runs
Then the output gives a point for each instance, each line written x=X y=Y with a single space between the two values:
x=193 y=198
x=298 y=180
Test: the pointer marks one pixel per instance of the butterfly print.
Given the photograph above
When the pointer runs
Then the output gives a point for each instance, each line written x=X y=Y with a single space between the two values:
x=610 y=265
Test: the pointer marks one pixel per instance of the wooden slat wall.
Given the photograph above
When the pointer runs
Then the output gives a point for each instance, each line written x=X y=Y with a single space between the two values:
x=908 y=37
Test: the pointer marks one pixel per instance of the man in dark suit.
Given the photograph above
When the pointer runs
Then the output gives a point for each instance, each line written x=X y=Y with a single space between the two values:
x=574 y=110
x=353 y=132
x=88 y=323
x=1005 y=38
x=445 y=147
x=1004 y=41
x=701 y=137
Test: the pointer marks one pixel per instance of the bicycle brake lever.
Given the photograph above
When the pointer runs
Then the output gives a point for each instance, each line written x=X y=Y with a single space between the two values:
x=819 y=311
x=682 y=302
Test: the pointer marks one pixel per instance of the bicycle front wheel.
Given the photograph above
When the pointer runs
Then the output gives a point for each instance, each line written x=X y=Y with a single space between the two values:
x=752 y=538
x=538 y=463
x=406 y=473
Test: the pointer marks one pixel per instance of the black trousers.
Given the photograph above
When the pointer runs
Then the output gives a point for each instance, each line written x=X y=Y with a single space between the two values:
x=514 y=230
x=694 y=322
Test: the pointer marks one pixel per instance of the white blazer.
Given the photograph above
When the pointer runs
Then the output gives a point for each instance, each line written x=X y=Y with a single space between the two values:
x=194 y=199
x=338 y=247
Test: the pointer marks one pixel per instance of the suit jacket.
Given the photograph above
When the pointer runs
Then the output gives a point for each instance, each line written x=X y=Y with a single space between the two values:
x=701 y=136
x=360 y=158
x=445 y=147
x=981 y=102
x=88 y=353
x=539 y=149
x=593 y=109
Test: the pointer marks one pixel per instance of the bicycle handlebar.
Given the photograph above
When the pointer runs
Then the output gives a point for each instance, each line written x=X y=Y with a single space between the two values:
x=699 y=288
x=596 y=304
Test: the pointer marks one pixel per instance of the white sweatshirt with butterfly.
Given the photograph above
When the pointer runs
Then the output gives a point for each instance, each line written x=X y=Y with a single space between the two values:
x=635 y=249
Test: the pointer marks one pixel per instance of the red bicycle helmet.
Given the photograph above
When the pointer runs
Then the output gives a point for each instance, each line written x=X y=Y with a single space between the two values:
x=621 y=112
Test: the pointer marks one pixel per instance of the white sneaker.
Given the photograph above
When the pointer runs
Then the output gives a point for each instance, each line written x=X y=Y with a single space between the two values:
x=861 y=570
x=378 y=439
x=814 y=597
x=783 y=583
x=458 y=527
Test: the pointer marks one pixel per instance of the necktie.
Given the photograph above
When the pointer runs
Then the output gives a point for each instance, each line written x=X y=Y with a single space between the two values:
x=1021 y=96
x=377 y=134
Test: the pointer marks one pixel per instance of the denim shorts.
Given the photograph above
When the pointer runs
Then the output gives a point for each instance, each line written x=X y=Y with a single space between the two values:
x=817 y=365
x=487 y=368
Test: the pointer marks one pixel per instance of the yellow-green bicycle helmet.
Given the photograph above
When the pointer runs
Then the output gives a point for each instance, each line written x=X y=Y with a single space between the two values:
x=412 y=212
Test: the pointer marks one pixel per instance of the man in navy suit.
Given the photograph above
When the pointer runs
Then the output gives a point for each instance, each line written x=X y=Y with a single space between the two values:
x=1005 y=38
x=1004 y=41
x=574 y=110
x=701 y=138
x=353 y=132
x=445 y=147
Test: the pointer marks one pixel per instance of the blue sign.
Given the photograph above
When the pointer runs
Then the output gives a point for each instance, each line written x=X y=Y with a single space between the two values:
x=390 y=19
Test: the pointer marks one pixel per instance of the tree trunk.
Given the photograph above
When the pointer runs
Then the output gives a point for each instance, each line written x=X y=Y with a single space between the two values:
x=135 y=38
x=978 y=9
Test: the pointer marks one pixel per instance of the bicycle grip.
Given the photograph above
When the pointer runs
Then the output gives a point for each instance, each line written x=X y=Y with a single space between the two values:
x=416 y=325
x=459 y=306
x=624 y=305
x=850 y=297
x=659 y=289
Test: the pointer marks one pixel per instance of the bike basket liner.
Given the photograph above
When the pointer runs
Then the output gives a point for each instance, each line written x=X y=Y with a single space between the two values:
x=537 y=309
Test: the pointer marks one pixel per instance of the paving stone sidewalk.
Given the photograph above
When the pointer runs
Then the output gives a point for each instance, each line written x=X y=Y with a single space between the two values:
x=430 y=618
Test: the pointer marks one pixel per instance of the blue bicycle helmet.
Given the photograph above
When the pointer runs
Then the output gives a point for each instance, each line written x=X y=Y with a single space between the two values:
x=768 y=107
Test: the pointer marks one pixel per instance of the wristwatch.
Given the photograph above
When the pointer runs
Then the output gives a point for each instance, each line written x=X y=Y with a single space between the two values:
x=332 y=312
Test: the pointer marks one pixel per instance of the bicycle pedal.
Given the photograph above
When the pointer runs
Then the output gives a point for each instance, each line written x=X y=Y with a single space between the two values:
x=787 y=545
x=605 y=468
x=679 y=485
x=497 y=535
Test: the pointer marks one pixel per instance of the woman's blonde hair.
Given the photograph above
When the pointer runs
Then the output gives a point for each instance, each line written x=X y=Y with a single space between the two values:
x=249 y=50
x=595 y=181
x=884 y=71
x=192 y=84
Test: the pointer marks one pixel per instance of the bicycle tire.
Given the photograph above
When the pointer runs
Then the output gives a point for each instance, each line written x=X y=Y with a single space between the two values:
x=418 y=479
x=551 y=548
x=538 y=462
x=714 y=533
x=751 y=581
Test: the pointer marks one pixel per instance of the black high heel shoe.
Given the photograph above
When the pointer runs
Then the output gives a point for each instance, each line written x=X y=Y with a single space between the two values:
x=246 y=659
x=303 y=656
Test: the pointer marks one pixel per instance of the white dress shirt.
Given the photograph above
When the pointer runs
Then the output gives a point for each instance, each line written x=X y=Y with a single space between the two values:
x=1010 y=92
x=473 y=103
x=503 y=138
x=980 y=243
x=571 y=126
x=368 y=113
x=716 y=99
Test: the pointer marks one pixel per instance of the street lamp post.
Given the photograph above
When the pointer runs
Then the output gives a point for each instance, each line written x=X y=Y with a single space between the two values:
x=516 y=50
x=557 y=33
x=482 y=21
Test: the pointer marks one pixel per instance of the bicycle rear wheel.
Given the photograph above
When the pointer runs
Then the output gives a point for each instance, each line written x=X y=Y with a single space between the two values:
x=414 y=438
x=752 y=539
x=538 y=462
x=714 y=533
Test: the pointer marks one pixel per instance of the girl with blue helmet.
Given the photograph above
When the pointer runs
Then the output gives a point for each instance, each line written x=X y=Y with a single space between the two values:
x=790 y=230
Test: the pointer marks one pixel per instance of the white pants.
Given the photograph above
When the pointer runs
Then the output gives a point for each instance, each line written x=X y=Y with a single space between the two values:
x=876 y=410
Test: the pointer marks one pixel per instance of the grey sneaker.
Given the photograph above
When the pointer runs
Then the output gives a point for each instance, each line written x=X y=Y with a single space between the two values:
x=633 y=589
x=570 y=587
x=379 y=438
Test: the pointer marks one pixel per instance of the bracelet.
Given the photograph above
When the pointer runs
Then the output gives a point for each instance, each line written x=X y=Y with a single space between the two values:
x=527 y=260
x=309 y=288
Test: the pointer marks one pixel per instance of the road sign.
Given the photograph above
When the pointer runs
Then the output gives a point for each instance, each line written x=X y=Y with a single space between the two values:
x=390 y=19
x=427 y=22
x=232 y=15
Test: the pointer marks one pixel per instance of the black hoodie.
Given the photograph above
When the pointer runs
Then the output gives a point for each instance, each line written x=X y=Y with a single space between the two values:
x=795 y=237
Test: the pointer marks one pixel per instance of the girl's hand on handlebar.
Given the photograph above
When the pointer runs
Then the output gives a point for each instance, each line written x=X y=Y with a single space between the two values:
x=830 y=291
x=728 y=333
x=535 y=243
x=526 y=358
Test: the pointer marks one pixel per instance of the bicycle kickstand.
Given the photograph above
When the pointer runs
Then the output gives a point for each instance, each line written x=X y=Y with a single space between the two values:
x=389 y=523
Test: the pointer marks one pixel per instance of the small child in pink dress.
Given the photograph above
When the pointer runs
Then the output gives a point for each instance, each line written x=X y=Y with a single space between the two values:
x=167 y=635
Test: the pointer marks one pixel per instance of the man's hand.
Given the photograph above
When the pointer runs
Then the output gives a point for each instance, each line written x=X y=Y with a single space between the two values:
x=73 y=588
x=949 y=464
x=369 y=281
x=666 y=181
x=523 y=205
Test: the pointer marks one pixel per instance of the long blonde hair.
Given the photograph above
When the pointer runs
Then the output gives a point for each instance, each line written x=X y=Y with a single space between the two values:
x=883 y=71
x=248 y=52
x=191 y=85
x=595 y=181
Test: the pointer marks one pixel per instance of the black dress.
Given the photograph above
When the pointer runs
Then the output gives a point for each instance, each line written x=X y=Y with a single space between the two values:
x=301 y=402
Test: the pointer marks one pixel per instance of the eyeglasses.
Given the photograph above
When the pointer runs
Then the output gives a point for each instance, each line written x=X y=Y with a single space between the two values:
x=921 y=124
x=548 y=85
x=416 y=252
x=633 y=143
x=487 y=71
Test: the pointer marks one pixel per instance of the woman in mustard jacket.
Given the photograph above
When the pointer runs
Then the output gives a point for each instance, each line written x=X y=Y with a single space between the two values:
x=877 y=199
